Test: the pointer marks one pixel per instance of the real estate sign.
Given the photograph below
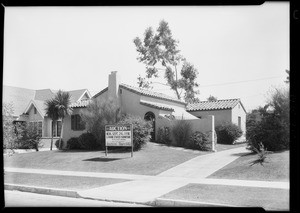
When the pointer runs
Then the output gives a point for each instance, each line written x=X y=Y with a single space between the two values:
x=118 y=135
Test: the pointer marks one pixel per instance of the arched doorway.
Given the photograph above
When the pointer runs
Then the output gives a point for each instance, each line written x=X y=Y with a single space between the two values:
x=149 y=116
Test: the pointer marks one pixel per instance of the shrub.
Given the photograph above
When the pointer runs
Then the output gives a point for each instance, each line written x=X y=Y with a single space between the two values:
x=270 y=125
x=29 y=137
x=181 y=131
x=227 y=133
x=57 y=144
x=87 y=141
x=97 y=115
x=141 y=130
x=163 y=135
x=73 y=143
x=200 y=141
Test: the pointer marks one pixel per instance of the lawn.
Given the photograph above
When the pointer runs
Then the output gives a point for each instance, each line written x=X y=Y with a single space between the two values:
x=151 y=160
x=268 y=198
x=275 y=169
x=58 y=181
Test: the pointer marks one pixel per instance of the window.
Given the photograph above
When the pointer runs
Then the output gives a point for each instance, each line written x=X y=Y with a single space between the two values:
x=77 y=123
x=34 y=110
x=58 y=128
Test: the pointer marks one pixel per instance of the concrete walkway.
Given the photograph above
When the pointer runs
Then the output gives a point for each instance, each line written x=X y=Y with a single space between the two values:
x=205 y=165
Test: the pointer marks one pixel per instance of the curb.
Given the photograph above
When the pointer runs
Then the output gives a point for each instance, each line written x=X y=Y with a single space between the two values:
x=59 y=192
x=162 y=202
x=42 y=190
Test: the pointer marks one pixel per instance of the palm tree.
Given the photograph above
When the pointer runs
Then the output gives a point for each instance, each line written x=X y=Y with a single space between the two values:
x=62 y=102
x=51 y=112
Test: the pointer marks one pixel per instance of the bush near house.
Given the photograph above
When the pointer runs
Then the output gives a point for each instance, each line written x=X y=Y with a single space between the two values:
x=88 y=141
x=163 y=135
x=28 y=137
x=199 y=141
x=73 y=143
x=141 y=130
x=181 y=131
x=97 y=115
x=270 y=125
x=227 y=133
x=57 y=144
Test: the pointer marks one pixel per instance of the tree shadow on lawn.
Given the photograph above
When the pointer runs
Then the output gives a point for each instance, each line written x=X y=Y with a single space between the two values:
x=110 y=150
x=103 y=159
x=242 y=154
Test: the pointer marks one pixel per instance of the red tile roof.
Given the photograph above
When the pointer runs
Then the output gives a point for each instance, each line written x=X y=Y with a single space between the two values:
x=213 y=105
x=155 y=105
x=150 y=93
x=80 y=104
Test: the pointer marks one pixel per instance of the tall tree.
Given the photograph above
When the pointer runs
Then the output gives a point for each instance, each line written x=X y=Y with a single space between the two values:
x=52 y=113
x=9 y=136
x=62 y=103
x=158 y=51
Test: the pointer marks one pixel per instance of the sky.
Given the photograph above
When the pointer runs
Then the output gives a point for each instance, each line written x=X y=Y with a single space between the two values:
x=239 y=51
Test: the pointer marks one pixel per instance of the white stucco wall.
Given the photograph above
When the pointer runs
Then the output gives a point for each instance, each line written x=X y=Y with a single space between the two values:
x=220 y=115
x=236 y=112
x=67 y=131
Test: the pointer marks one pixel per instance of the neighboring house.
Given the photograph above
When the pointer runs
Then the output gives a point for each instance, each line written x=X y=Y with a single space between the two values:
x=29 y=106
x=149 y=105
x=229 y=110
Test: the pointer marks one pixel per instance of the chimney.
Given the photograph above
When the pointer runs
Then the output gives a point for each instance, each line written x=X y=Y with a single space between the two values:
x=113 y=85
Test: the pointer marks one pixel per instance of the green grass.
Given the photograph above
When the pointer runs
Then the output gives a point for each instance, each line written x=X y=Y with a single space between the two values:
x=151 y=160
x=275 y=169
x=268 y=198
x=58 y=181
x=223 y=147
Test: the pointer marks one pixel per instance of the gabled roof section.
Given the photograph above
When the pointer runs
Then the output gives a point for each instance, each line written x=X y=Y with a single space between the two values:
x=19 y=97
x=214 y=105
x=39 y=105
x=101 y=92
x=151 y=94
x=156 y=106
x=43 y=94
x=77 y=94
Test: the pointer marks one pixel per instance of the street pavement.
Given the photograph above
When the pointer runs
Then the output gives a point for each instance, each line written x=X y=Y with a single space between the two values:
x=144 y=189
x=25 y=199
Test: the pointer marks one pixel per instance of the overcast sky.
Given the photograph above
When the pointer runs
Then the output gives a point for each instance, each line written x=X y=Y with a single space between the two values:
x=239 y=51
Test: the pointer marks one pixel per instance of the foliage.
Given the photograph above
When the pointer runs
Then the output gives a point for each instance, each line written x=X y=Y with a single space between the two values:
x=163 y=135
x=73 y=143
x=9 y=136
x=58 y=108
x=199 y=140
x=141 y=130
x=212 y=98
x=98 y=114
x=52 y=113
x=57 y=144
x=62 y=103
x=29 y=137
x=228 y=132
x=261 y=155
x=270 y=125
x=159 y=52
x=288 y=77
x=181 y=131
x=87 y=141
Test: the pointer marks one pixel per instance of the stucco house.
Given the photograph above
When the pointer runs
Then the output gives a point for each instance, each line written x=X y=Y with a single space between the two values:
x=29 y=106
x=229 y=110
x=147 y=104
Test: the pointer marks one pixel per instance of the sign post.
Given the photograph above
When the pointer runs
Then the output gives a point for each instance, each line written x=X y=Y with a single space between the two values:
x=119 y=135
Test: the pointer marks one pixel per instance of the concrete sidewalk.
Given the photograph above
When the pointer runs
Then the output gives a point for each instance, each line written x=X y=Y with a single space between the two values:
x=205 y=165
